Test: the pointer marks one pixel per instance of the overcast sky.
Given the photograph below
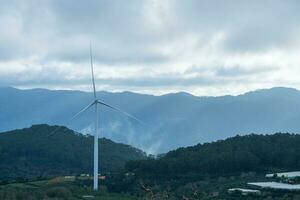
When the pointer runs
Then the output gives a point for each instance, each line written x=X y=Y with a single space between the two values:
x=203 y=47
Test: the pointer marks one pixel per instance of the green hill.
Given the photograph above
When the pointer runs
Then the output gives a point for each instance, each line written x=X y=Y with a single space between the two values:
x=31 y=153
x=256 y=153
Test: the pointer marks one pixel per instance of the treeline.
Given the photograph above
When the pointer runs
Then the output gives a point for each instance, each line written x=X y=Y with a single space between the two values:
x=259 y=153
x=32 y=153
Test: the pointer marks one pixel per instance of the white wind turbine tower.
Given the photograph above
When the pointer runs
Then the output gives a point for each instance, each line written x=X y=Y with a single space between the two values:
x=96 y=103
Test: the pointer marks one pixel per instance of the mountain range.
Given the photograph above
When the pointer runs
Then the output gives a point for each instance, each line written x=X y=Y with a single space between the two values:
x=172 y=120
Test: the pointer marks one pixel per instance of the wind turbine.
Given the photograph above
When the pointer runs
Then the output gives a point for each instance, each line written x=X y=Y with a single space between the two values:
x=96 y=103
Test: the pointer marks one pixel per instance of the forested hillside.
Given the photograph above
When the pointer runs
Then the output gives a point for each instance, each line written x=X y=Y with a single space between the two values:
x=31 y=153
x=256 y=153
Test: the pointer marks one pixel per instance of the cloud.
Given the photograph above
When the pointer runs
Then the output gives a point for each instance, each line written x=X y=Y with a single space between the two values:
x=150 y=45
x=238 y=71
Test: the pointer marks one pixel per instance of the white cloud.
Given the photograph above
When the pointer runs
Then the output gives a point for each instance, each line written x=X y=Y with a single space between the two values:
x=203 y=47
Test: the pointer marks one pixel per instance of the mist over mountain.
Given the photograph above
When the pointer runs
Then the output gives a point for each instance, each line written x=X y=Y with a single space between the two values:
x=173 y=120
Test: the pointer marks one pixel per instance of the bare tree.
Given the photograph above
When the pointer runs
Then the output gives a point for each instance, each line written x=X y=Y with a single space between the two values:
x=152 y=195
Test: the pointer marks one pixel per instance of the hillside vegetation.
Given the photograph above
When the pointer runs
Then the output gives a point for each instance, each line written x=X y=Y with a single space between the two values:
x=31 y=152
x=204 y=171
x=258 y=153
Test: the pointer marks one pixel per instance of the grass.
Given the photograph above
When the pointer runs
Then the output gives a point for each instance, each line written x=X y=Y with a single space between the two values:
x=58 y=188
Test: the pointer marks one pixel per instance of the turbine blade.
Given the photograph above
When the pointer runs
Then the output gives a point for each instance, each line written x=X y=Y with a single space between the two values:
x=121 y=111
x=72 y=118
x=81 y=111
x=92 y=68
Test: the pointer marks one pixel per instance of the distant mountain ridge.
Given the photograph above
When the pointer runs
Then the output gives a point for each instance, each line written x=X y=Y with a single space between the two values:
x=173 y=120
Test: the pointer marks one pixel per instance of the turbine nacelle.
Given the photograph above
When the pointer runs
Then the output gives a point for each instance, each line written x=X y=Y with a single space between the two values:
x=99 y=102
